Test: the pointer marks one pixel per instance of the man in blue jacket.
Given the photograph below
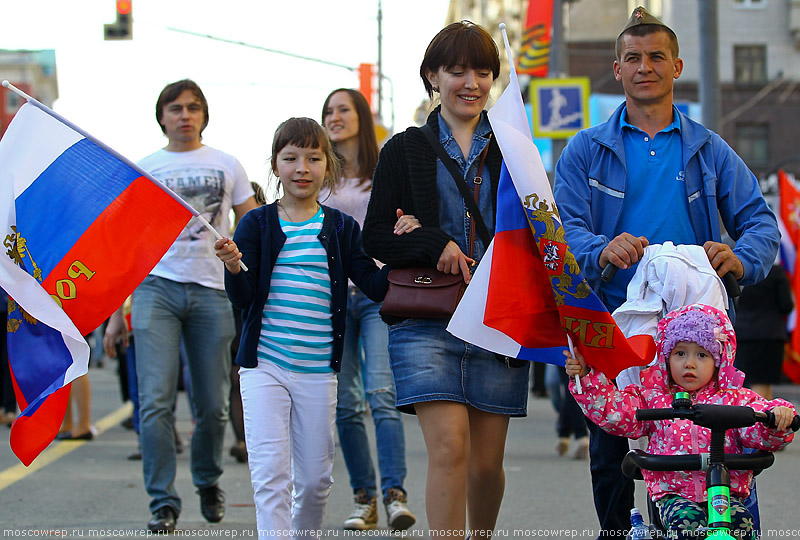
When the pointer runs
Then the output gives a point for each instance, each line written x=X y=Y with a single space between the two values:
x=649 y=175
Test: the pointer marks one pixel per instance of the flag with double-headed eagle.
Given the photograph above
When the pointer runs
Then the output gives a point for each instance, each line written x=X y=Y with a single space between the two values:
x=82 y=228
x=789 y=219
x=528 y=290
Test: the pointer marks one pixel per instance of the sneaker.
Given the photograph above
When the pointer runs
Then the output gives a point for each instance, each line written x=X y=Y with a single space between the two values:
x=365 y=515
x=212 y=503
x=562 y=446
x=581 y=448
x=398 y=516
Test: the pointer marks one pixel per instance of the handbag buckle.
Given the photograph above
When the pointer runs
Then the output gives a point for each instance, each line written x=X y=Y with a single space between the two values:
x=423 y=280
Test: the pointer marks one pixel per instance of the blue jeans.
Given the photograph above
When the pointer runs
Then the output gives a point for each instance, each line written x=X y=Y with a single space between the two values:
x=571 y=420
x=371 y=370
x=552 y=382
x=163 y=311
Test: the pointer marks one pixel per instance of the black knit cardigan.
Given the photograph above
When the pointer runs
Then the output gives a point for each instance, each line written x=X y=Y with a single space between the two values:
x=405 y=178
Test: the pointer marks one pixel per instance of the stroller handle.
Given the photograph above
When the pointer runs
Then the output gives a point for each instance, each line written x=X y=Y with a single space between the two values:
x=637 y=460
x=720 y=417
x=729 y=280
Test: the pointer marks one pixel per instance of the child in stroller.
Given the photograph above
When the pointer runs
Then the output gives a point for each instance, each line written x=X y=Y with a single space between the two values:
x=696 y=346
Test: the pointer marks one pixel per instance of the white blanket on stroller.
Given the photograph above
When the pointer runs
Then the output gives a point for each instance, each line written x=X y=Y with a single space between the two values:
x=667 y=277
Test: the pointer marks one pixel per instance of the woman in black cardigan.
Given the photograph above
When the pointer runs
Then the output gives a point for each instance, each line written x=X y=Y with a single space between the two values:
x=462 y=394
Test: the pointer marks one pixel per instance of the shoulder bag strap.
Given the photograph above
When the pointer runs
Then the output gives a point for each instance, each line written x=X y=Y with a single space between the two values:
x=448 y=162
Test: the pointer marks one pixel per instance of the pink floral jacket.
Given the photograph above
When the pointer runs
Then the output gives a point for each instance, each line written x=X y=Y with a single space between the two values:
x=613 y=410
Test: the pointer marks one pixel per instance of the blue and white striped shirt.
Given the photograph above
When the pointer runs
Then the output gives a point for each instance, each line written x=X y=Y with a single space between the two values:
x=296 y=329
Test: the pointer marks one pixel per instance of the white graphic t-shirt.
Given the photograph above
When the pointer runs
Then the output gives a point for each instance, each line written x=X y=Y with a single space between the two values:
x=212 y=182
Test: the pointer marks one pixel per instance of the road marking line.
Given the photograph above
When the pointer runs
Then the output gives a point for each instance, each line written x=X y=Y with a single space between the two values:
x=60 y=449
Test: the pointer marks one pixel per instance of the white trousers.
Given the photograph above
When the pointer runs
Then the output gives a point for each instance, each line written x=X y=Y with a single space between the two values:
x=289 y=419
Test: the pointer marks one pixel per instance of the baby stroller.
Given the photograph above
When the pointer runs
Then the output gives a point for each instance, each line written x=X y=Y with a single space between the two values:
x=669 y=277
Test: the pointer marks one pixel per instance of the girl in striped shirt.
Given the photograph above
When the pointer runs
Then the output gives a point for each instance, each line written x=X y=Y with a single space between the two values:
x=299 y=255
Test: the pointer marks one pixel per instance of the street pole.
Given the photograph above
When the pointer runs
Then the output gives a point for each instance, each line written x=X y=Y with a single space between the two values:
x=380 y=62
x=559 y=65
x=709 y=64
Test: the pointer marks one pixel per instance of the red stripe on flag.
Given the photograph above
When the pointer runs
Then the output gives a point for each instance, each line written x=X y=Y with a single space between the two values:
x=520 y=301
x=602 y=343
x=790 y=215
x=96 y=275
x=32 y=434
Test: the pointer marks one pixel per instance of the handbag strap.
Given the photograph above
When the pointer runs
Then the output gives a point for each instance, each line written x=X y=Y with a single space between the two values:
x=478 y=180
x=449 y=163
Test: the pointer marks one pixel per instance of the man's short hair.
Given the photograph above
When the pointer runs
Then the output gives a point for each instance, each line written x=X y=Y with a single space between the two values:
x=644 y=30
x=172 y=91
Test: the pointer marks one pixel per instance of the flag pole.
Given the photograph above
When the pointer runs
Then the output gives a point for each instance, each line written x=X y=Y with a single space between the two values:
x=512 y=75
x=129 y=163
x=578 y=387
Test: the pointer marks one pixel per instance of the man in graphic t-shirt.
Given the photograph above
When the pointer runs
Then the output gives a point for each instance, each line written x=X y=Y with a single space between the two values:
x=184 y=297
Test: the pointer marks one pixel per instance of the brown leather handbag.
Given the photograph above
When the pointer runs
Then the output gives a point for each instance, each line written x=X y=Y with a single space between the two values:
x=423 y=292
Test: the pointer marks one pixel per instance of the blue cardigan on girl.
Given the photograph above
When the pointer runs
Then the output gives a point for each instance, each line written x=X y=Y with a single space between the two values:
x=259 y=238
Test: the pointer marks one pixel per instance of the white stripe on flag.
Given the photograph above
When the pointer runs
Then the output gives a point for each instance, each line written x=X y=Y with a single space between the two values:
x=20 y=165
x=30 y=160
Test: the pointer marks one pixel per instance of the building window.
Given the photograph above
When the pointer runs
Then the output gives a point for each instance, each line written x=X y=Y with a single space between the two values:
x=750 y=64
x=750 y=4
x=13 y=102
x=752 y=144
x=653 y=7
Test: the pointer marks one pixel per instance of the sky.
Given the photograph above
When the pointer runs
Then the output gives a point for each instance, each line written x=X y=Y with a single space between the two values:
x=109 y=88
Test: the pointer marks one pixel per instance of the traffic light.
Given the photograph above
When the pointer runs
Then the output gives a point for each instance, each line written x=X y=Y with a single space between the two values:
x=122 y=28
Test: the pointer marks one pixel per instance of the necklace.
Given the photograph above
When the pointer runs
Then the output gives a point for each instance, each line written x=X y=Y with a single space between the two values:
x=289 y=216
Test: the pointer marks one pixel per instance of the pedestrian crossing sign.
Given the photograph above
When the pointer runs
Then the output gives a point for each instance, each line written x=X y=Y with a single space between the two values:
x=560 y=106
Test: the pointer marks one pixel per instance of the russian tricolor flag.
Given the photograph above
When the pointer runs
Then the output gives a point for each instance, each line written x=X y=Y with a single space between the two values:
x=83 y=227
x=528 y=291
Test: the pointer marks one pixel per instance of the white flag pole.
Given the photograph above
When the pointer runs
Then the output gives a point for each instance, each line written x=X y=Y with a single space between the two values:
x=577 y=376
x=119 y=156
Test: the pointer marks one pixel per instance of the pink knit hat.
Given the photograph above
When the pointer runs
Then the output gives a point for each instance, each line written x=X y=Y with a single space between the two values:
x=695 y=324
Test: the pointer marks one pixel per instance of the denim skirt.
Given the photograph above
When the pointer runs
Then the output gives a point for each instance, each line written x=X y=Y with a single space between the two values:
x=430 y=364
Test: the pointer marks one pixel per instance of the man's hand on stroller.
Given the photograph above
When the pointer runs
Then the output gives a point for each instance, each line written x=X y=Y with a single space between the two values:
x=575 y=365
x=783 y=417
x=723 y=260
x=623 y=251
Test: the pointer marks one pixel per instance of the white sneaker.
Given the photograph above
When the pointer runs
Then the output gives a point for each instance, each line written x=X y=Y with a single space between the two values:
x=365 y=515
x=581 y=448
x=398 y=516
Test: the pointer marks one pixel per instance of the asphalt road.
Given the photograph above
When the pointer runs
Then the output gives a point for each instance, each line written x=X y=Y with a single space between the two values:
x=90 y=489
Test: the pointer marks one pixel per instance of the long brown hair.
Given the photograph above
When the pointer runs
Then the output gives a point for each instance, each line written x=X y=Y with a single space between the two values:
x=367 y=140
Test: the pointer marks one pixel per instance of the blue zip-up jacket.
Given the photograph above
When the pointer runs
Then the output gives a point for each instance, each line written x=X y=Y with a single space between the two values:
x=260 y=239
x=590 y=191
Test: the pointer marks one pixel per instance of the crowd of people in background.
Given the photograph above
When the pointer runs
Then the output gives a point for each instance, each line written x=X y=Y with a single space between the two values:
x=277 y=327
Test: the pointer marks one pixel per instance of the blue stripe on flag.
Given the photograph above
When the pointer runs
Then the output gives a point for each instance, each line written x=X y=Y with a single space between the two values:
x=549 y=355
x=512 y=217
x=35 y=340
x=84 y=177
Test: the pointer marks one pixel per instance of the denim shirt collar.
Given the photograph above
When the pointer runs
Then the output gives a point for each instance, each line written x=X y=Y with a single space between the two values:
x=481 y=135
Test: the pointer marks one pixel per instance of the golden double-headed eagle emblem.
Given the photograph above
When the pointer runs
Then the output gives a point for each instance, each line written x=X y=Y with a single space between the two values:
x=17 y=251
x=564 y=272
